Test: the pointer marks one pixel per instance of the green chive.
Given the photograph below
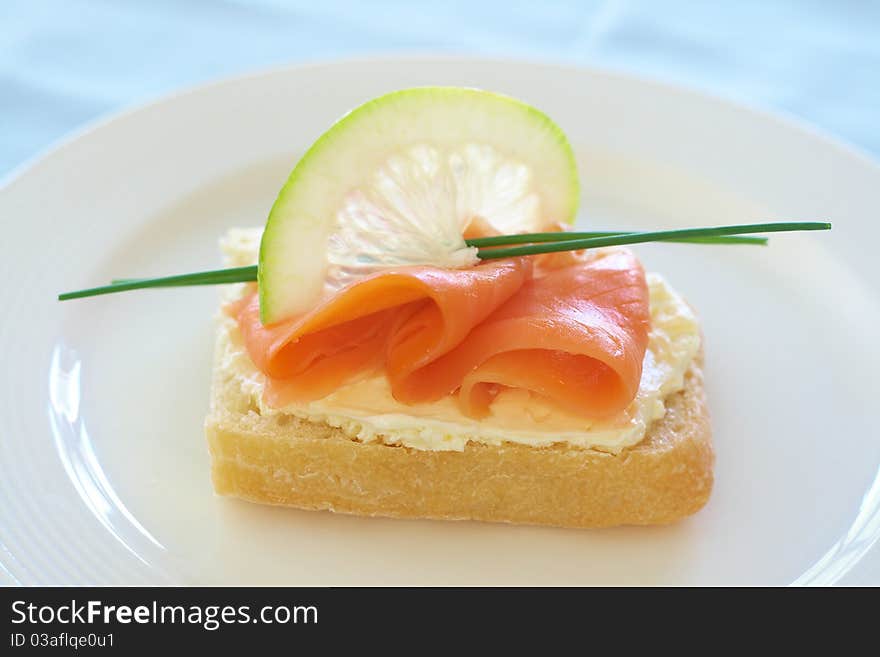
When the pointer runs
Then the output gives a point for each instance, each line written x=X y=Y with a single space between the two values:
x=534 y=243
x=551 y=246
x=530 y=238
x=215 y=277
x=533 y=238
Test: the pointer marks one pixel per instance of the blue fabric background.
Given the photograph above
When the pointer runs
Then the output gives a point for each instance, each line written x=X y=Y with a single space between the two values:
x=64 y=62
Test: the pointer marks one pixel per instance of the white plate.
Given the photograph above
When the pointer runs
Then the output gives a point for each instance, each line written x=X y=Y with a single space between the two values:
x=103 y=465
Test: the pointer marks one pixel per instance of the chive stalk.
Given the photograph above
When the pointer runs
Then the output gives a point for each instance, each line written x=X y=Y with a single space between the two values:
x=529 y=244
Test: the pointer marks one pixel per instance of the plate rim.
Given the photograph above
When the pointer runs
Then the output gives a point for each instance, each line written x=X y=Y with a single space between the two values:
x=779 y=117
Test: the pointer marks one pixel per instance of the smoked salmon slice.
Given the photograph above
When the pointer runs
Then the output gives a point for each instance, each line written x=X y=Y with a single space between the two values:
x=574 y=330
x=425 y=311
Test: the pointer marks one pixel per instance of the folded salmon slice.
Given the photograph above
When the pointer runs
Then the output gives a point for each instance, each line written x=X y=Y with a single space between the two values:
x=573 y=330
x=423 y=311
x=576 y=335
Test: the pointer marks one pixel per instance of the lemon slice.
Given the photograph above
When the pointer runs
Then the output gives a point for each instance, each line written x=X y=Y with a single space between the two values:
x=398 y=180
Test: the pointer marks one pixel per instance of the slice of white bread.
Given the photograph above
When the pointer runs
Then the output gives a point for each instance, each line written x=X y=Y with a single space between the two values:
x=284 y=460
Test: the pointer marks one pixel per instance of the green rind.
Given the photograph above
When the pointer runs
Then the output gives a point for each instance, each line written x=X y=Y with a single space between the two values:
x=276 y=220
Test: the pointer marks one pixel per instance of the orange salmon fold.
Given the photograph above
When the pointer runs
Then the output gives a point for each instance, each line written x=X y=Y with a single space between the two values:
x=573 y=330
x=418 y=312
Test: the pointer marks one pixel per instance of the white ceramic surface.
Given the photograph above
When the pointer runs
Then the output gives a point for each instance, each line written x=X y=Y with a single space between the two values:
x=103 y=466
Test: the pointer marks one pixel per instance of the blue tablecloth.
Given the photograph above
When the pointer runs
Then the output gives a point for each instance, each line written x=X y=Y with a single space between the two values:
x=64 y=62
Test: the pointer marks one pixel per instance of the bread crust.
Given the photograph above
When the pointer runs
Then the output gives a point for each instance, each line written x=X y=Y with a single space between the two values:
x=284 y=460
